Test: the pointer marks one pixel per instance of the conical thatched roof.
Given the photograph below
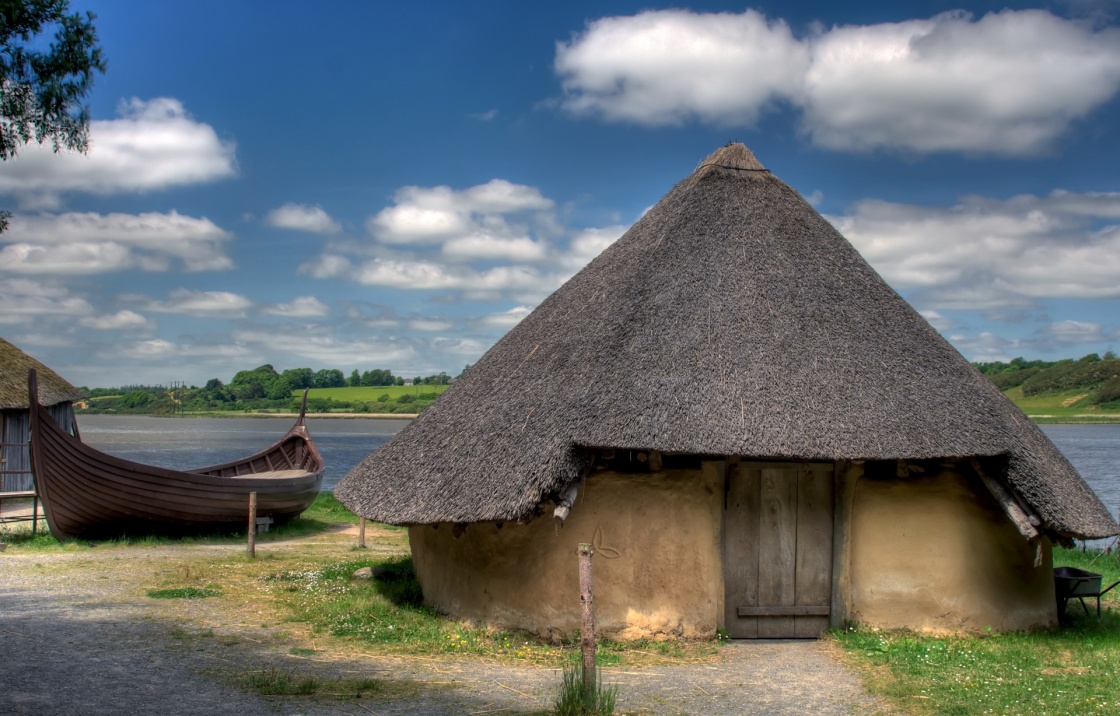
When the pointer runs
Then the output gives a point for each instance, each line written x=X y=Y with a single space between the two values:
x=14 y=364
x=732 y=319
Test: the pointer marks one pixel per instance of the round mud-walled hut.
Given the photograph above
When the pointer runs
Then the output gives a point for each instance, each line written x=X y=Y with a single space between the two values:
x=753 y=429
x=54 y=392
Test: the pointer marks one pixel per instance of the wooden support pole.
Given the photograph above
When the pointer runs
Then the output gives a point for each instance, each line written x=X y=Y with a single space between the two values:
x=361 y=533
x=1011 y=507
x=587 y=624
x=252 y=551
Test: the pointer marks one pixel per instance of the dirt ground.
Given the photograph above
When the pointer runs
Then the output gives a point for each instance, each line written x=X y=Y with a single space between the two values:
x=78 y=635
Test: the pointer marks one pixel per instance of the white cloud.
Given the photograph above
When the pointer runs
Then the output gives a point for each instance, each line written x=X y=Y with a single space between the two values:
x=207 y=304
x=505 y=320
x=301 y=217
x=116 y=321
x=938 y=321
x=423 y=215
x=327 y=266
x=484 y=246
x=1068 y=333
x=1007 y=83
x=300 y=307
x=89 y=243
x=24 y=302
x=492 y=241
x=152 y=145
x=431 y=325
x=328 y=351
x=589 y=243
x=984 y=253
x=668 y=66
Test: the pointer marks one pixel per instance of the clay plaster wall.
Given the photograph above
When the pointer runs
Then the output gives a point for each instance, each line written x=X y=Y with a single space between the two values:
x=936 y=552
x=657 y=567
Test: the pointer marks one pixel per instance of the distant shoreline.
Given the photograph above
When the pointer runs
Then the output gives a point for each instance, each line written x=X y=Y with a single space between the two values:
x=1040 y=419
x=289 y=416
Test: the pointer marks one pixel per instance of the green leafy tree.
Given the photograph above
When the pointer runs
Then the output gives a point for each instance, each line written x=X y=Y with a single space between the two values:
x=328 y=378
x=42 y=90
x=355 y=379
x=299 y=378
x=281 y=388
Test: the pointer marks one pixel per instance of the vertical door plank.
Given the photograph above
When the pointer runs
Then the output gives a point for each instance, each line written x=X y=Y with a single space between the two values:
x=740 y=550
x=777 y=549
x=814 y=547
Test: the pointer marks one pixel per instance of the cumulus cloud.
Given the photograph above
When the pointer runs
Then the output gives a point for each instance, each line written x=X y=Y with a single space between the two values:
x=505 y=320
x=300 y=307
x=1006 y=83
x=494 y=241
x=431 y=325
x=430 y=215
x=485 y=246
x=1069 y=333
x=301 y=217
x=668 y=66
x=206 y=304
x=330 y=351
x=152 y=145
x=89 y=243
x=24 y=302
x=986 y=253
x=586 y=244
x=120 y=320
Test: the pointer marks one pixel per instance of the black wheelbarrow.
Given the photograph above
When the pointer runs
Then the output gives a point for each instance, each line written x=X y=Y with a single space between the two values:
x=1073 y=583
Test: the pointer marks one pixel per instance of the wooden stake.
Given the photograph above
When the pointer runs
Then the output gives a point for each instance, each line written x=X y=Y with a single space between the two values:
x=252 y=552
x=361 y=533
x=587 y=623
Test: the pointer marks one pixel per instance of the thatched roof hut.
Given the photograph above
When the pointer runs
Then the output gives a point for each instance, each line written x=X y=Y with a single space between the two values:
x=14 y=365
x=731 y=322
x=54 y=392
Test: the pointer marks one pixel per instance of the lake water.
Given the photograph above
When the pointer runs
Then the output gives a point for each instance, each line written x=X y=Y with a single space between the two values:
x=196 y=442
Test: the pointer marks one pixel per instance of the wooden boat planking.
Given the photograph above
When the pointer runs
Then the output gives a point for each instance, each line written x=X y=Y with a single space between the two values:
x=90 y=495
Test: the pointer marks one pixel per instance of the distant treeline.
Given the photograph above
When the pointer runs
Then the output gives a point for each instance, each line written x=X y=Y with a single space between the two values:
x=1097 y=376
x=264 y=389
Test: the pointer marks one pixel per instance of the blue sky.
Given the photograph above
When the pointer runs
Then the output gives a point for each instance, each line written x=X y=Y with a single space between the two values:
x=364 y=185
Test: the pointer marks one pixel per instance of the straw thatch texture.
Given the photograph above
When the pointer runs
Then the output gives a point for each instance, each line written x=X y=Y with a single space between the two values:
x=732 y=319
x=14 y=365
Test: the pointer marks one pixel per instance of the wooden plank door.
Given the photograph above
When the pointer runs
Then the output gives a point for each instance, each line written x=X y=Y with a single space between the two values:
x=777 y=550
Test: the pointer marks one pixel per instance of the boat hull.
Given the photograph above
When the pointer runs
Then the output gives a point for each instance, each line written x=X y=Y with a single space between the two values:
x=89 y=495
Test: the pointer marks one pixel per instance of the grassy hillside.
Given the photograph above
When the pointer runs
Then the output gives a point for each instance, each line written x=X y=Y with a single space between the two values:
x=1085 y=390
x=372 y=394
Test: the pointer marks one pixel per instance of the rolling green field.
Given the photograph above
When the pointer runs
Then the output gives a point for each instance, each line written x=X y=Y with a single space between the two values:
x=1071 y=406
x=371 y=394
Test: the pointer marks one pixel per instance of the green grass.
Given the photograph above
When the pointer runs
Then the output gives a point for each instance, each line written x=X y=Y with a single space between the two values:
x=1072 y=670
x=1062 y=407
x=388 y=614
x=370 y=394
x=572 y=701
x=210 y=590
x=275 y=682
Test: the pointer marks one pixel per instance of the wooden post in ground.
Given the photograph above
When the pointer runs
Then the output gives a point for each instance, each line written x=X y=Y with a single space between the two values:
x=252 y=551
x=361 y=533
x=587 y=623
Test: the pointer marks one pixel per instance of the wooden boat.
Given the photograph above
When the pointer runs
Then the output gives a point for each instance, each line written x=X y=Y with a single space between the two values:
x=89 y=495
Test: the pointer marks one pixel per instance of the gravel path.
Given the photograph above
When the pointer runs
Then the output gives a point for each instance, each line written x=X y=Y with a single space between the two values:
x=79 y=643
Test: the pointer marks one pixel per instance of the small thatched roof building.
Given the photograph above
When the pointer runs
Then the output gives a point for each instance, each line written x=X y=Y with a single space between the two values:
x=766 y=433
x=54 y=392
